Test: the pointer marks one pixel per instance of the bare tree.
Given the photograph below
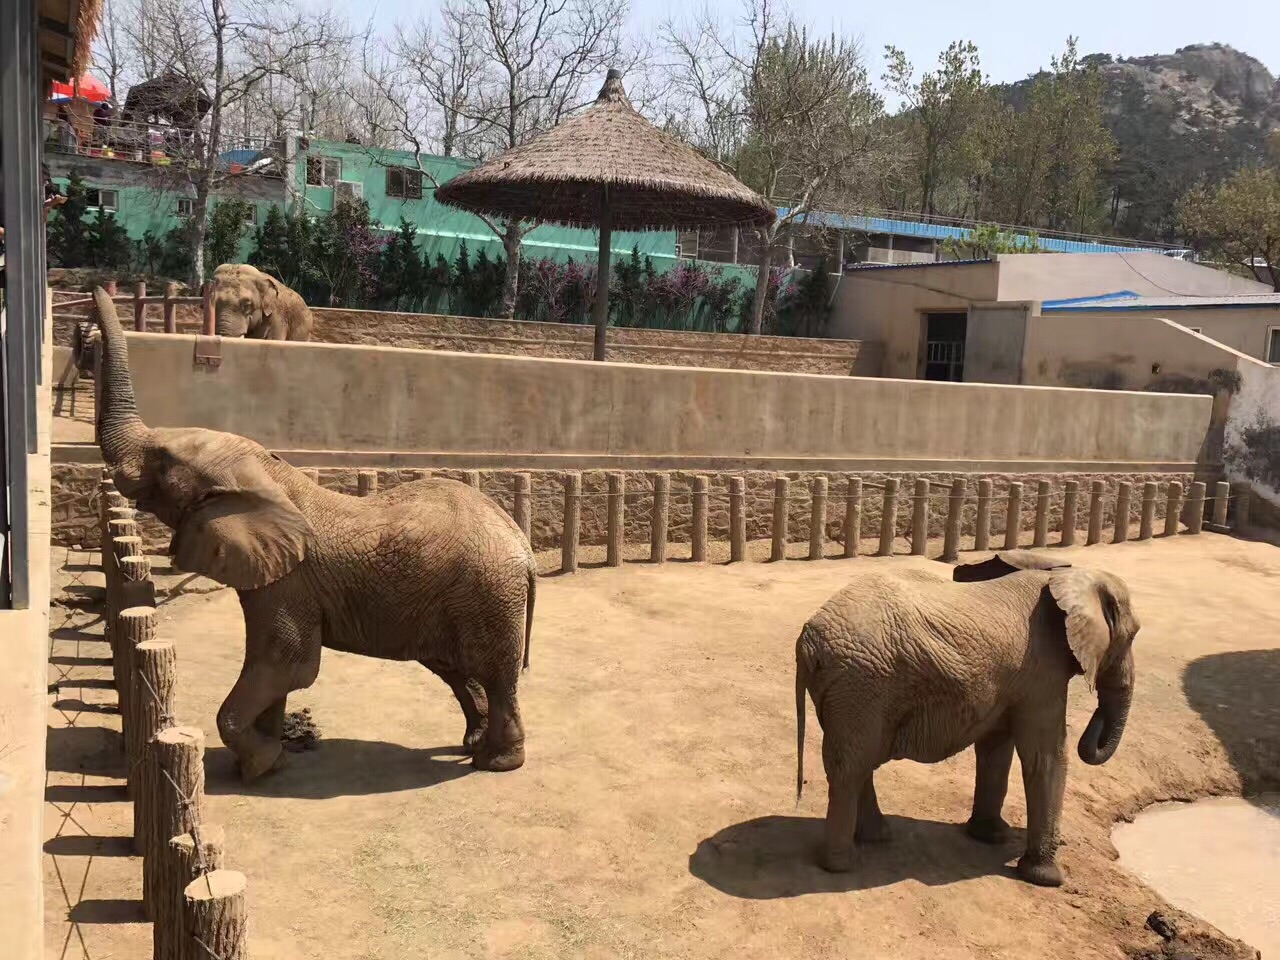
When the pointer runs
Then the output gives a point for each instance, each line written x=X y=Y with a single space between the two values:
x=225 y=50
x=493 y=73
x=794 y=117
x=108 y=49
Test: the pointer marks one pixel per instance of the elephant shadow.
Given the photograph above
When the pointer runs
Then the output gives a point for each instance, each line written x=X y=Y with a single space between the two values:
x=1235 y=694
x=340 y=767
x=774 y=857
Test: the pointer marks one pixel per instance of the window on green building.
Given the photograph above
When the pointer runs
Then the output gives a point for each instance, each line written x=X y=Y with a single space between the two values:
x=106 y=200
x=404 y=182
x=323 y=171
x=184 y=207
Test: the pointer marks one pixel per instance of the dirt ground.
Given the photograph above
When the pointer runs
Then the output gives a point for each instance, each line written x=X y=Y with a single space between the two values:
x=655 y=816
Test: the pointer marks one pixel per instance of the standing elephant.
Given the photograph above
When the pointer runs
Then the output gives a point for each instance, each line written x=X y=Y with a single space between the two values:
x=432 y=571
x=908 y=665
x=250 y=303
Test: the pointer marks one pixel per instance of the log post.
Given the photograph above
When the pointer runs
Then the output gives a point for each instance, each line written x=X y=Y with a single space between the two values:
x=208 y=324
x=367 y=483
x=215 y=924
x=955 y=517
x=1013 y=516
x=982 y=524
x=1173 y=508
x=1242 y=494
x=137 y=625
x=421 y=473
x=852 y=516
x=134 y=571
x=170 y=308
x=522 y=487
x=1069 y=497
x=1097 y=489
x=1123 y=492
x=818 y=519
x=781 y=487
x=471 y=478
x=1149 y=493
x=1042 y=514
x=1221 y=497
x=572 y=522
x=658 y=521
x=617 y=527
x=1195 y=508
x=698 y=548
x=188 y=860
x=111 y=288
x=155 y=678
x=737 y=519
x=888 y=517
x=920 y=518
x=140 y=306
x=176 y=803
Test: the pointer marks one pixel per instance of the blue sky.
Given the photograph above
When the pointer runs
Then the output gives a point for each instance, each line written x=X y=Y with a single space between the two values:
x=1014 y=38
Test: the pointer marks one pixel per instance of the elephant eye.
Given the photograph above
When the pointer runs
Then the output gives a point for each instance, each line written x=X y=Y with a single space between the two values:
x=246 y=306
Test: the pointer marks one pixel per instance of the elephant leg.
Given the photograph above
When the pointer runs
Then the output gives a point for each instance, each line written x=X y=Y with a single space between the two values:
x=995 y=758
x=270 y=722
x=260 y=689
x=872 y=826
x=473 y=700
x=503 y=744
x=1043 y=756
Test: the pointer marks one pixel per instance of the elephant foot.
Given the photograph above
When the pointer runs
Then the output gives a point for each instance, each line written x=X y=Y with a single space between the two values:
x=471 y=741
x=510 y=759
x=836 y=861
x=266 y=759
x=1043 y=873
x=987 y=829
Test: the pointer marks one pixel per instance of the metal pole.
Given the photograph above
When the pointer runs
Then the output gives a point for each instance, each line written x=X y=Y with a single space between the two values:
x=600 y=308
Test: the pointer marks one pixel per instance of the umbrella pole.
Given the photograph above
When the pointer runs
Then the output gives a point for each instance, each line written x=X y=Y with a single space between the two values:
x=600 y=308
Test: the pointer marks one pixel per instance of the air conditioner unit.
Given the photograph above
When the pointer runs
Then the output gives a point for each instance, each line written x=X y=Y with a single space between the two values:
x=348 y=190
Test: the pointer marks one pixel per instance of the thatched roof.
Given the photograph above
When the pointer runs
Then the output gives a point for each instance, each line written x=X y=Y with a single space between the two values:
x=67 y=31
x=86 y=32
x=654 y=180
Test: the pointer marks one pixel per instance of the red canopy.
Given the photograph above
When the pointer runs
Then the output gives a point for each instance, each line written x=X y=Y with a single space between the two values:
x=87 y=87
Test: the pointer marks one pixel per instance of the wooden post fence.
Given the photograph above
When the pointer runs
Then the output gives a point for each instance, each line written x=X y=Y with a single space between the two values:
x=1221 y=497
x=1123 y=492
x=1043 y=495
x=737 y=519
x=1095 y=513
x=1147 y=526
x=920 y=518
x=522 y=488
x=778 y=551
x=955 y=518
x=1071 y=491
x=982 y=523
x=175 y=805
x=852 y=516
x=617 y=524
x=1013 y=516
x=215 y=920
x=189 y=860
x=818 y=519
x=367 y=483
x=170 y=308
x=1195 y=508
x=698 y=536
x=154 y=680
x=140 y=306
x=658 y=522
x=1173 y=508
x=888 y=518
x=572 y=522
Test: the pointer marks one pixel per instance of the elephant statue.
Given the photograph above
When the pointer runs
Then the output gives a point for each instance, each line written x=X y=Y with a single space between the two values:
x=909 y=665
x=250 y=303
x=432 y=570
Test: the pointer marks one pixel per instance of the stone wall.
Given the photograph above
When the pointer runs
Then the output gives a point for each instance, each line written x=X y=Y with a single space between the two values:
x=556 y=340
x=75 y=513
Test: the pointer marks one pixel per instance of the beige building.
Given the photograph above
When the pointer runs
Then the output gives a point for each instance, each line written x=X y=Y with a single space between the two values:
x=1098 y=320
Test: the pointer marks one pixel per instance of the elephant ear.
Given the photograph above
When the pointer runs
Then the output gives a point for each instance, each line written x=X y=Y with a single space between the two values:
x=1079 y=594
x=269 y=294
x=1003 y=564
x=246 y=536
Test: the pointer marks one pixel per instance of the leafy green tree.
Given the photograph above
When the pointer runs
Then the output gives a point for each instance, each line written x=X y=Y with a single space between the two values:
x=227 y=226
x=107 y=243
x=68 y=233
x=341 y=267
x=403 y=273
x=987 y=240
x=1238 y=223
x=271 y=246
x=175 y=253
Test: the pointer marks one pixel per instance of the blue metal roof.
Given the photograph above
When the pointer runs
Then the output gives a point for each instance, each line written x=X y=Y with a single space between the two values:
x=938 y=231
x=1127 y=301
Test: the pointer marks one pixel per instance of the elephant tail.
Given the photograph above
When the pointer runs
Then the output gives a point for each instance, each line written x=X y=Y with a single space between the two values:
x=802 y=678
x=528 y=613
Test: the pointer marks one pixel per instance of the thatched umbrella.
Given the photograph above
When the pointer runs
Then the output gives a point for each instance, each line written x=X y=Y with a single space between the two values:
x=607 y=167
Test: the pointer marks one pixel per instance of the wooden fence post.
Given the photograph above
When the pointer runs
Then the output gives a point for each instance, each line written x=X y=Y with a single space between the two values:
x=110 y=288
x=982 y=524
x=737 y=519
x=188 y=860
x=421 y=474
x=154 y=679
x=818 y=519
x=955 y=517
x=140 y=306
x=1173 y=508
x=1070 y=493
x=215 y=923
x=170 y=308
x=658 y=524
x=1149 y=493
x=853 y=516
x=137 y=625
x=1123 y=492
x=1242 y=494
x=1013 y=516
x=1221 y=497
x=920 y=518
x=1195 y=508
x=698 y=535
x=471 y=478
x=522 y=490
x=1096 y=492
x=208 y=323
x=617 y=519
x=1043 y=494
x=176 y=803
x=367 y=483
x=888 y=517
x=779 y=549
x=572 y=522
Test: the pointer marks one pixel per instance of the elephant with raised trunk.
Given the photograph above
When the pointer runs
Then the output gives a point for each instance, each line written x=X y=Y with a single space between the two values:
x=432 y=571
x=905 y=664
x=252 y=304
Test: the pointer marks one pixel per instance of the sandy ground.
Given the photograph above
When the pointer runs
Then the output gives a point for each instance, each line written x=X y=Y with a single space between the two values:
x=656 y=817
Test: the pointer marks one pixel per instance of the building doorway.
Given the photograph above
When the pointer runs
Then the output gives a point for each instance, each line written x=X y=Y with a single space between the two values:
x=944 y=346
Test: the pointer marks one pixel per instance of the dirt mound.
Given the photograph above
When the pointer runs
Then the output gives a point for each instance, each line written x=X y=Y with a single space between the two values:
x=300 y=731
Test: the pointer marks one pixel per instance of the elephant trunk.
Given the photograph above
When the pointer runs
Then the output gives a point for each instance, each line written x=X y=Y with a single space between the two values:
x=1115 y=694
x=121 y=433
